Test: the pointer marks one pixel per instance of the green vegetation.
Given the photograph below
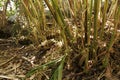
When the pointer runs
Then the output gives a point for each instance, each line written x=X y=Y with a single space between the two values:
x=73 y=39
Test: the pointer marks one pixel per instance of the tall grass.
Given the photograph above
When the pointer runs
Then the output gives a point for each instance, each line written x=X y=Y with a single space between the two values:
x=34 y=12
x=89 y=17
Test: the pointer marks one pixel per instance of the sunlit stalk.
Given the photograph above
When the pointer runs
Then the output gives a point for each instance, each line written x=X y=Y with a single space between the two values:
x=114 y=33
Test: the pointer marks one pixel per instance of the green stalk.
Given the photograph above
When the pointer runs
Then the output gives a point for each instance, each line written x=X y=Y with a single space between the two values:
x=86 y=23
x=96 y=22
x=32 y=14
x=89 y=20
x=27 y=10
x=59 y=18
x=104 y=17
x=41 y=14
x=114 y=33
x=34 y=10
x=114 y=36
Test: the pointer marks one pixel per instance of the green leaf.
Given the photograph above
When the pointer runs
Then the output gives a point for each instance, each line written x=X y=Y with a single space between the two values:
x=42 y=67
x=58 y=72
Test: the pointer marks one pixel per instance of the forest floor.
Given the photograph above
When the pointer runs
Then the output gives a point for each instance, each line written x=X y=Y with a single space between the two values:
x=17 y=60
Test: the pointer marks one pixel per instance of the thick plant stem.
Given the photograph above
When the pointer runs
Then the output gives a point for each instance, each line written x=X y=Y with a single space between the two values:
x=86 y=24
x=96 y=23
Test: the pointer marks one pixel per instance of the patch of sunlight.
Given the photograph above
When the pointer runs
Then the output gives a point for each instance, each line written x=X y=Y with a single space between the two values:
x=11 y=6
x=118 y=31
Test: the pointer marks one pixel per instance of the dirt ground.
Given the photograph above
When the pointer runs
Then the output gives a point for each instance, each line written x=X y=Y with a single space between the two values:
x=16 y=60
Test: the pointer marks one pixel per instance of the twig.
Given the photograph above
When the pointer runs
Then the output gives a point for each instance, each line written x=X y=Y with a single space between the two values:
x=7 y=61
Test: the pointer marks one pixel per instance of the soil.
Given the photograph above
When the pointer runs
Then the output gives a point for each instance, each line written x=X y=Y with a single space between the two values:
x=17 y=59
